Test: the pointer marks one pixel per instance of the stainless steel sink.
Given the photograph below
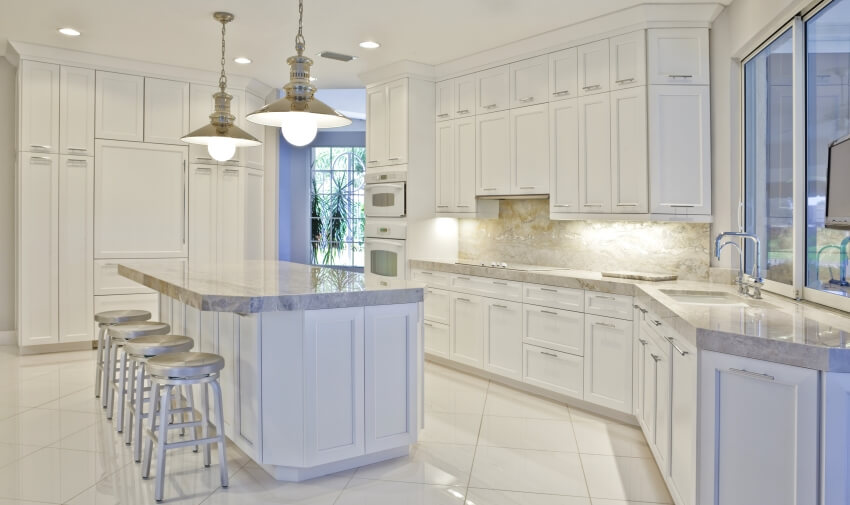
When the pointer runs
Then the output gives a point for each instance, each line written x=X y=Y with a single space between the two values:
x=705 y=297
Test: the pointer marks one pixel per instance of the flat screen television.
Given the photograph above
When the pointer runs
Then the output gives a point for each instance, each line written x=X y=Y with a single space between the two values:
x=838 y=185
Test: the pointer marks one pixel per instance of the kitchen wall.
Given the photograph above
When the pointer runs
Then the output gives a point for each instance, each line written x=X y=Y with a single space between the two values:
x=523 y=233
x=7 y=199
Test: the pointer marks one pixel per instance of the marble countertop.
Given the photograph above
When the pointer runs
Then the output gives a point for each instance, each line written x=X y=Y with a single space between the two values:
x=774 y=329
x=266 y=286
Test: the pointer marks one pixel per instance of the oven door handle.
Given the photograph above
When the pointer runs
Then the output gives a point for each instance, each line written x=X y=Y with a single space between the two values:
x=393 y=243
x=383 y=185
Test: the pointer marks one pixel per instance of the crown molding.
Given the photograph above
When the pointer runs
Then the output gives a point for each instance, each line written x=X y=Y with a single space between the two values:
x=404 y=68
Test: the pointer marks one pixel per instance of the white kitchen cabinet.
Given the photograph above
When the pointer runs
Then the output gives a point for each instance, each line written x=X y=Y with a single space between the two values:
x=38 y=250
x=629 y=172
x=387 y=128
x=432 y=278
x=493 y=153
x=759 y=421
x=486 y=286
x=437 y=305
x=119 y=106
x=467 y=330
x=392 y=373
x=253 y=157
x=556 y=297
x=655 y=395
x=38 y=107
x=437 y=339
x=397 y=122
x=445 y=167
x=456 y=166
x=530 y=150
x=594 y=153
x=76 y=256
x=376 y=126
x=556 y=329
x=683 y=420
x=680 y=150
x=608 y=305
x=628 y=60
x=445 y=100
x=503 y=338
x=493 y=89
x=564 y=157
x=203 y=195
x=140 y=193
x=334 y=384
x=166 y=111
x=556 y=371
x=229 y=215
x=593 y=68
x=608 y=362
x=529 y=81
x=563 y=74
x=464 y=94
x=678 y=56
x=252 y=215
x=76 y=111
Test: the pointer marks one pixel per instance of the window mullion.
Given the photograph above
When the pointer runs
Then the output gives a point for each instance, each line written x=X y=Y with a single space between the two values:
x=799 y=155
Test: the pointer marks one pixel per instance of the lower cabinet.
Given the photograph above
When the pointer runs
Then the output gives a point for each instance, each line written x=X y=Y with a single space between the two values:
x=556 y=371
x=654 y=395
x=608 y=362
x=503 y=338
x=437 y=339
x=557 y=329
x=683 y=423
x=758 y=440
x=467 y=330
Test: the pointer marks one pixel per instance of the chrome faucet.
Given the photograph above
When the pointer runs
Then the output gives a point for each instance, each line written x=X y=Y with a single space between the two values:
x=756 y=281
x=739 y=281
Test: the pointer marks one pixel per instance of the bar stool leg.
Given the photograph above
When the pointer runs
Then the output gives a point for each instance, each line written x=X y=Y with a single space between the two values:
x=190 y=399
x=98 y=369
x=154 y=409
x=110 y=400
x=131 y=394
x=107 y=366
x=205 y=421
x=139 y=398
x=122 y=391
x=162 y=437
x=222 y=454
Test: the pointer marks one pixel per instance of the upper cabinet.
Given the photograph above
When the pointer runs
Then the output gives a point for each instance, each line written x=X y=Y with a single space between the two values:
x=563 y=157
x=593 y=68
x=119 y=106
x=628 y=60
x=492 y=153
x=166 y=111
x=530 y=150
x=563 y=74
x=678 y=56
x=492 y=88
x=629 y=176
x=594 y=153
x=529 y=81
x=445 y=100
x=76 y=113
x=387 y=128
x=464 y=96
x=38 y=112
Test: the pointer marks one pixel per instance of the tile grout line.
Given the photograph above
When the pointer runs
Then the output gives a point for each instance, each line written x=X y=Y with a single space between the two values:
x=580 y=461
x=477 y=440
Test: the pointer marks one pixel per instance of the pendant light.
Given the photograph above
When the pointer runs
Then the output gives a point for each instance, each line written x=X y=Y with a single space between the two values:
x=221 y=136
x=299 y=114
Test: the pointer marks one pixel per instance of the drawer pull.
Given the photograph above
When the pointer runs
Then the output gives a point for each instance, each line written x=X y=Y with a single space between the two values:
x=638 y=307
x=655 y=322
x=500 y=283
x=656 y=357
x=625 y=81
x=491 y=106
x=642 y=341
x=627 y=204
x=603 y=297
x=560 y=93
x=549 y=354
x=527 y=187
x=467 y=300
x=607 y=325
x=393 y=159
x=83 y=149
x=526 y=99
x=464 y=111
x=592 y=88
x=43 y=158
x=500 y=306
x=551 y=313
x=550 y=290
x=429 y=291
x=443 y=115
x=463 y=278
x=426 y=323
x=426 y=273
x=489 y=189
x=561 y=205
x=680 y=76
x=673 y=343
x=593 y=205
x=37 y=146
x=681 y=206
x=756 y=375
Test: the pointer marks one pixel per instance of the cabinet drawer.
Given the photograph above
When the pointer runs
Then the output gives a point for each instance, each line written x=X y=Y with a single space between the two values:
x=603 y=304
x=559 y=298
x=554 y=329
x=437 y=339
x=433 y=279
x=553 y=370
x=437 y=303
x=494 y=288
x=108 y=282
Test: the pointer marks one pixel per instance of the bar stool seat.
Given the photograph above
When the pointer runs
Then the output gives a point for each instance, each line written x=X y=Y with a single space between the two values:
x=182 y=365
x=133 y=330
x=104 y=319
x=154 y=345
x=121 y=316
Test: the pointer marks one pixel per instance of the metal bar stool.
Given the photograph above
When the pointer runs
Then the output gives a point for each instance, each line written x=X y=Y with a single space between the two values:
x=139 y=350
x=119 y=334
x=104 y=320
x=166 y=372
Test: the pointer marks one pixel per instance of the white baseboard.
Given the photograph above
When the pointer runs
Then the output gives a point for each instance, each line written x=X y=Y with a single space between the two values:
x=8 y=337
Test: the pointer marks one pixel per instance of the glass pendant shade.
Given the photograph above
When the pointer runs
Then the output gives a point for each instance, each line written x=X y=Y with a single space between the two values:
x=299 y=128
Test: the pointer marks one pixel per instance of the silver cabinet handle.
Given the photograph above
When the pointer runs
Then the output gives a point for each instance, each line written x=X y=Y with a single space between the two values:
x=491 y=106
x=464 y=111
x=500 y=283
x=642 y=341
x=627 y=205
x=463 y=278
x=625 y=81
x=593 y=205
x=204 y=170
x=527 y=187
x=467 y=300
x=549 y=290
x=551 y=313
x=680 y=76
x=592 y=88
x=500 y=306
x=443 y=115
x=549 y=354
x=638 y=307
x=393 y=159
x=426 y=273
x=183 y=203
x=83 y=149
x=429 y=291
x=681 y=205
x=603 y=297
x=562 y=205
x=741 y=371
x=656 y=357
x=426 y=323
x=37 y=146
x=44 y=158
x=203 y=158
x=561 y=93
x=489 y=189
x=464 y=206
x=372 y=161
x=679 y=350
x=526 y=99
x=231 y=171
x=656 y=322
x=77 y=160
x=607 y=325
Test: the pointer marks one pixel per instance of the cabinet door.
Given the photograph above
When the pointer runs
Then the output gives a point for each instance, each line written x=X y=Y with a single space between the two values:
x=648 y=387
x=228 y=335
x=445 y=100
x=229 y=219
x=464 y=165
x=252 y=215
x=561 y=330
x=662 y=377
x=608 y=362
x=493 y=89
x=76 y=111
x=38 y=113
x=563 y=74
x=683 y=425
x=203 y=193
x=503 y=338
x=333 y=384
x=464 y=96
x=639 y=374
x=593 y=68
x=437 y=339
x=530 y=81
x=76 y=254
x=166 y=111
x=564 y=157
x=140 y=196
x=628 y=60
x=552 y=370
x=392 y=346
x=201 y=105
x=376 y=126
x=38 y=251
x=492 y=153
x=594 y=153
x=679 y=150
x=759 y=419
x=397 y=122
x=467 y=330
x=253 y=157
x=445 y=160
x=678 y=56
x=530 y=150
x=119 y=106
x=629 y=174
x=437 y=305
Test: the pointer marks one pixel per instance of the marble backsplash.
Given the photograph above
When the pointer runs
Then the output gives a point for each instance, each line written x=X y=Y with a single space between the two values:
x=523 y=233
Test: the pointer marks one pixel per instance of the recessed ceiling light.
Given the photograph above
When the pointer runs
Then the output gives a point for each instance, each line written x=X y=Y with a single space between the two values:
x=370 y=44
x=313 y=78
x=242 y=60
x=70 y=32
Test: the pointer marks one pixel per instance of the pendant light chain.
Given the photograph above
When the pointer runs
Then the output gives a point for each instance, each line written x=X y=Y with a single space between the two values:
x=300 y=43
x=222 y=80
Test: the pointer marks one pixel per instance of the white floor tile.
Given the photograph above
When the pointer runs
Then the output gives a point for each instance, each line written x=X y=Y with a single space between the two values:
x=528 y=471
x=371 y=492
x=9 y=453
x=252 y=485
x=620 y=478
x=507 y=402
x=442 y=464
x=597 y=435
x=79 y=401
x=495 y=497
x=451 y=428
x=43 y=426
x=523 y=433
x=454 y=393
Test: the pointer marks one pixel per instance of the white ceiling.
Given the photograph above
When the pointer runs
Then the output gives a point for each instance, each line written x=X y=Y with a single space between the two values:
x=183 y=32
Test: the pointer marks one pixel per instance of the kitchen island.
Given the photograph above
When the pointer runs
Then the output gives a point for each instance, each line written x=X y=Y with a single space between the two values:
x=323 y=370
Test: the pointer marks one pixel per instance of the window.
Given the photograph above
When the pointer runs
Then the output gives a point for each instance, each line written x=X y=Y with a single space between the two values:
x=337 y=218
